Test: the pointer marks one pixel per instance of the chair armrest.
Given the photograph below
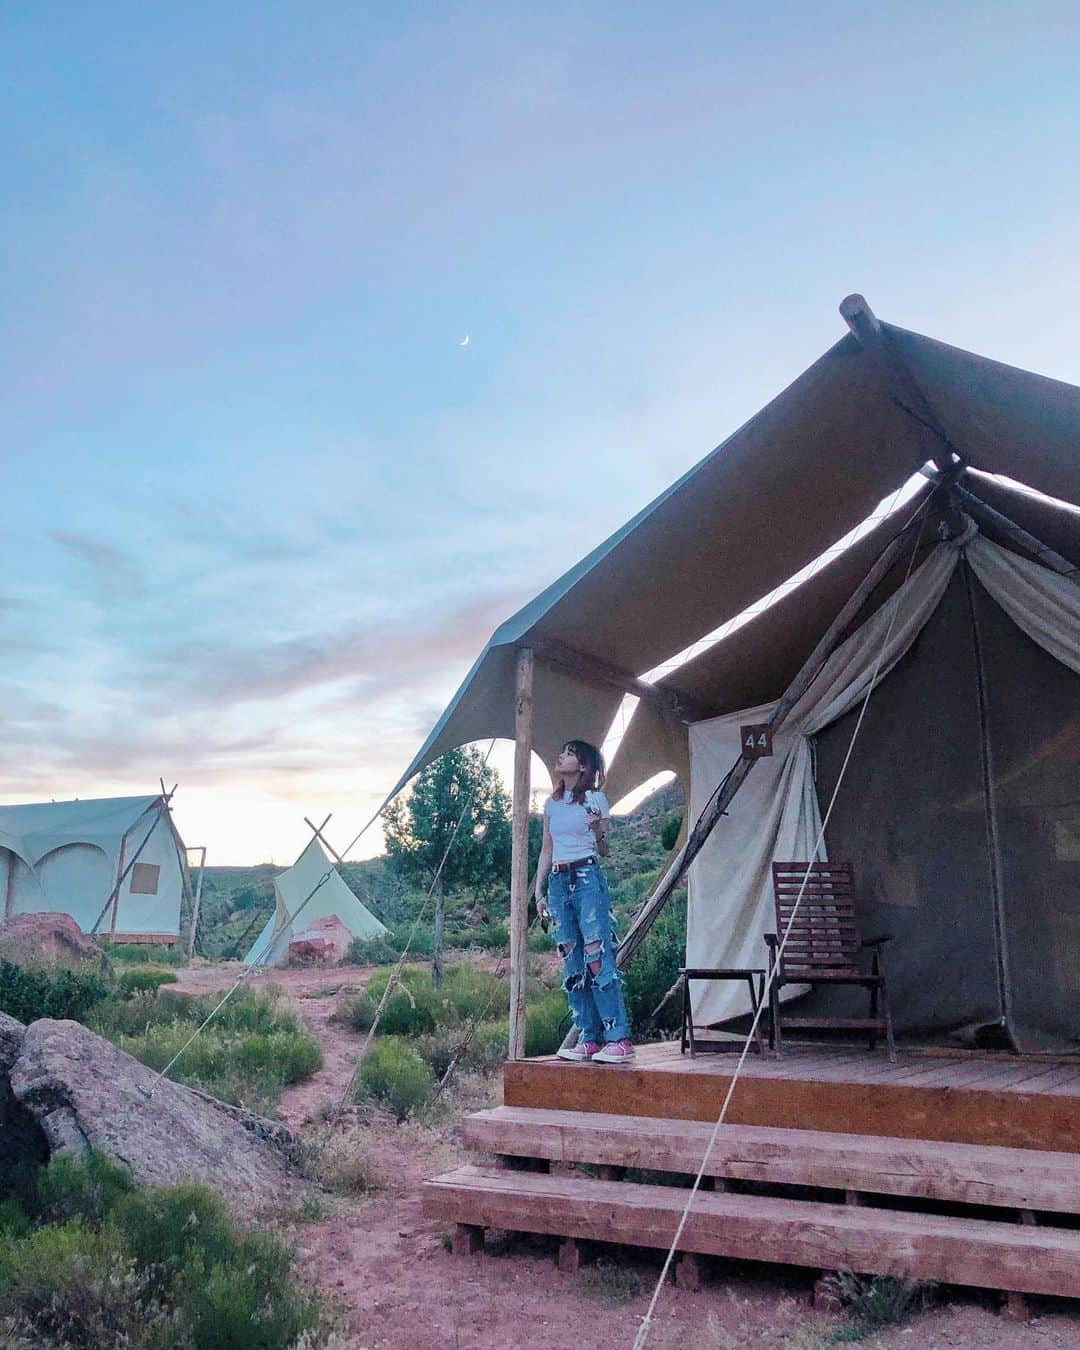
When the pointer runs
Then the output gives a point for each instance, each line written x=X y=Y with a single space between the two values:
x=772 y=940
x=877 y=941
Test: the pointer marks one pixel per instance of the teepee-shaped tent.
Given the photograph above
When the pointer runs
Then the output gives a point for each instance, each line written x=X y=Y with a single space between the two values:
x=291 y=889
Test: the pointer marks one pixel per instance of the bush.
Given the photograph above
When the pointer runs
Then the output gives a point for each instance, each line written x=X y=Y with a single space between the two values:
x=547 y=1020
x=414 y=1007
x=30 y=993
x=83 y=1189
x=345 y=1162
x=144 y=1268
x=247 y=1054
x=143 y=980
x=493 y=937
x=145 y=953
x=379 y=951
x=393 y=1074
x=654 y=969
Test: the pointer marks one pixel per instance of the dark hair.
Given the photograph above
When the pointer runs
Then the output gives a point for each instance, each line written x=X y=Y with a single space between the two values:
x=592 y=765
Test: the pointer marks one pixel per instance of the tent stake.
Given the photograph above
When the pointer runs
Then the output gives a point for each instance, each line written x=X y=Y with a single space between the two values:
x=519 y=855
x=735 y=778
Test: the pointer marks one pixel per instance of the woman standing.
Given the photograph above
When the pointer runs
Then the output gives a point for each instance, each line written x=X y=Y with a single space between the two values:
x=576 y=824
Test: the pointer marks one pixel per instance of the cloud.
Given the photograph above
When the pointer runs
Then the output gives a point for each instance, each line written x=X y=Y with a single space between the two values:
x=375 y=656
x=111 y=570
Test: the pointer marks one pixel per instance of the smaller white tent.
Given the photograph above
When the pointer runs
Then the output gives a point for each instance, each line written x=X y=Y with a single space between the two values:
x=117 y=859
x=291 y=889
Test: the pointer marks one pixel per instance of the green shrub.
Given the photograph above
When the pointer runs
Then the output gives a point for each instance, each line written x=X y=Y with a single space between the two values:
x=547 y=1020
x=86 y=1189
x=493 y=937
x=247 y=1054
x=393 y=1074
x=108 y=1264
x=875 y=1301
x=475 y=993
x=654 y=969
x=145 y=953
x=143 y=980
x=379 y=951
x=71 y=1285
x=414 y=1008
x=28 y=993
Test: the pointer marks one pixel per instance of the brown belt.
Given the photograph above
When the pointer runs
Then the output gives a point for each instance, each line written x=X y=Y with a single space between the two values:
x=572 y=866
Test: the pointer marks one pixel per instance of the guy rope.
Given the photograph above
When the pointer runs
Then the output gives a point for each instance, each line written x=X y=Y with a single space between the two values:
x=642 y=1336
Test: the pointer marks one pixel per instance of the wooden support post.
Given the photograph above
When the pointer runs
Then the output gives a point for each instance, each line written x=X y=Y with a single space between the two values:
x=898 y=380
x=317 y=831
x=1014 y=1307
x=688 y=1272
x=519 y=854
x=569 y=1255
x=722 y=797
x=467 y=1240
x=116 y=891
x=196 y=903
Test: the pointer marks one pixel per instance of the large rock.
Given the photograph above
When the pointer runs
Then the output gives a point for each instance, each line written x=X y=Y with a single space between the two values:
x=323 y=943
x=85 y=1093
x=48 y=939
x=22 y=1143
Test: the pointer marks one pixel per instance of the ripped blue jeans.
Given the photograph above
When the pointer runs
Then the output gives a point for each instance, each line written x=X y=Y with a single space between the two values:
x=587 y=942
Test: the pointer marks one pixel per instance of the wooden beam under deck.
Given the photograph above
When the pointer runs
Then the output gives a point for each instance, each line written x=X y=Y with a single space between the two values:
x=1013 y=1103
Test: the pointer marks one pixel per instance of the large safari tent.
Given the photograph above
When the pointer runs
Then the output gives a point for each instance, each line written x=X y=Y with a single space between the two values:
x=117 y=865
x=892 y=544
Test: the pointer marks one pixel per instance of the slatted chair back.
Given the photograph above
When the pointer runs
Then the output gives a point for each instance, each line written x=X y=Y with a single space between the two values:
x=824 y=939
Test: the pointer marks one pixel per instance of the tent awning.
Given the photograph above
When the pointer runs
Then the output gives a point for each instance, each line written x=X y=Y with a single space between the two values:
x=776 y=494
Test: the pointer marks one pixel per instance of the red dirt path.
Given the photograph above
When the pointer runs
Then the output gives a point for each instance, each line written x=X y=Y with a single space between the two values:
x=386 y=1268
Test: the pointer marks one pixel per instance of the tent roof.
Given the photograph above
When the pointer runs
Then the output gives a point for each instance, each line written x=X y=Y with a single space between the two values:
x=777 y=493
x=34 y=829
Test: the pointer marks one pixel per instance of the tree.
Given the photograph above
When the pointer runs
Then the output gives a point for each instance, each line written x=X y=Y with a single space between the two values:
x=419 y=831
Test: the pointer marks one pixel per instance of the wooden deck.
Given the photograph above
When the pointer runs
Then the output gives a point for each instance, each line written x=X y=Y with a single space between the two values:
x=1011 y=1101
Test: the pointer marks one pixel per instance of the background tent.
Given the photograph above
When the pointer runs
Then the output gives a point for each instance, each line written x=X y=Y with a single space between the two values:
x=291 y=889
x=68 y=857
x=959 y=778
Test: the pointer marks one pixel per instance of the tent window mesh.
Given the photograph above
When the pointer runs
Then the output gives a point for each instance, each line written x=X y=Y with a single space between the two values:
x=144 y=878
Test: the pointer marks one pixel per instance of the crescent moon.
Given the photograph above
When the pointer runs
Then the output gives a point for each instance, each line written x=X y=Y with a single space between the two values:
x=465 y=341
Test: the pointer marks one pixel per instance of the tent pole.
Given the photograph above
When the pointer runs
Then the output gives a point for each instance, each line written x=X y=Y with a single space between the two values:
x=519 y=854
x=898 y=379
x=196 y=903
x=1043 y=554
x=317 y=830
x=722 y=797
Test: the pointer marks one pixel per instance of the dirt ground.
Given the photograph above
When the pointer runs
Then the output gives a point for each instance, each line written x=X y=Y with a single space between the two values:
x=389 y=1273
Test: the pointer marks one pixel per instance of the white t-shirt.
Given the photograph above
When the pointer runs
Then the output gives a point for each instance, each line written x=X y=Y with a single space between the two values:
x=568 y=823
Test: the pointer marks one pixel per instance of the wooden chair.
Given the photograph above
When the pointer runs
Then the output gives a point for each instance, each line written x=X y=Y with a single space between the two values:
x=823 y=947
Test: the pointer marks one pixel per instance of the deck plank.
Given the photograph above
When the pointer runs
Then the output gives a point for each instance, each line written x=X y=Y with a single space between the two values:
x=970 y=1174
x=984 y=1254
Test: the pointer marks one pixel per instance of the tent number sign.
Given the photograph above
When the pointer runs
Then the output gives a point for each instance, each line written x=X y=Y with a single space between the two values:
x=756 y=741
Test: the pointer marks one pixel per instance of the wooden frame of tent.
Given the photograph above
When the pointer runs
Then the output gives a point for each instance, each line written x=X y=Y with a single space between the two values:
x=938 y=1128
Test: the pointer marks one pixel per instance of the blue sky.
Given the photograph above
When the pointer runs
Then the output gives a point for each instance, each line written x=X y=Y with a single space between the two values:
x=260 y=510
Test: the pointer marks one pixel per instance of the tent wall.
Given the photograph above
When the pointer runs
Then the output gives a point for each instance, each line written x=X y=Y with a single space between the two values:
x=912 y=816
x=149 y=900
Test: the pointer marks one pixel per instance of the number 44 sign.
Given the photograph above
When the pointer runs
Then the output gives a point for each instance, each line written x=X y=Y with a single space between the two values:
x=756 y=741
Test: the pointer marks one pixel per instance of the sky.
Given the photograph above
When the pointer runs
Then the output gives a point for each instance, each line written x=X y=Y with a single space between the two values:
x=261 y=509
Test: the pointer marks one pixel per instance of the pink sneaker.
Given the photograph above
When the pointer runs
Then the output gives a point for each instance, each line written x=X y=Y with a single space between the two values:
x=615 y=1052
x=580 y=1053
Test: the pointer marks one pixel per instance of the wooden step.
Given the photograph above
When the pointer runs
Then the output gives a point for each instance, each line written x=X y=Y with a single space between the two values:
x=976 y=1252
x=975 y=1174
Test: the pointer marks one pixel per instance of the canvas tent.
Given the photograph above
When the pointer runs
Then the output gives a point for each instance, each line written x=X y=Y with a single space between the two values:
x=292 y=890
x=961 y=808
x=116 y=862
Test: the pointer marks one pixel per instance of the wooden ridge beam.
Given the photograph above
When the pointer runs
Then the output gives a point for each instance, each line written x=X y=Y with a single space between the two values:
x=899 y=382
x=1043 y=553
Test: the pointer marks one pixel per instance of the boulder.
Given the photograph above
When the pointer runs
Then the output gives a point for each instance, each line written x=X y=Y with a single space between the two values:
x=48 y=939
x=23 y=1147
x=324 y=942
x=85 y=1093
